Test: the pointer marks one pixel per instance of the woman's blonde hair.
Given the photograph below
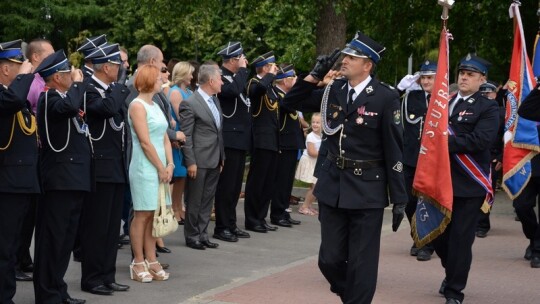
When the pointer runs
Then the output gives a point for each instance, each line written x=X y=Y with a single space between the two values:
x=181 y=72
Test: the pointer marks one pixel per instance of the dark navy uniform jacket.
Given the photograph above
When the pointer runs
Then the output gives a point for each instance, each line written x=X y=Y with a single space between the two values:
x=475 y=122
x=414 y=109
x=69 y=169
x=18 y=151
x=236 y=114
x=378 y=135
x=291 y=135
x=105 y=117
x=530 y=106
x=265 y=109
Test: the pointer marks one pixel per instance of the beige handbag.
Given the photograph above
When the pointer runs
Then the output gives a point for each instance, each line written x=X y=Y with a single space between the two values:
x=165 y=222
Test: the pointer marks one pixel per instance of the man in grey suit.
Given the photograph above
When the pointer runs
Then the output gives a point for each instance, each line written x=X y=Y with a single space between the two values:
x=204 y=154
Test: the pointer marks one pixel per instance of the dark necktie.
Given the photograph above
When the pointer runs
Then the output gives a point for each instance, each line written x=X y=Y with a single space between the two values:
x=428 y=97
x=454 y=105
x=350 y=100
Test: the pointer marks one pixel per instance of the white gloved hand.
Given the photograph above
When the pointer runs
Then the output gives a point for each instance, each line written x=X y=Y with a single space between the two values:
x=407 y=81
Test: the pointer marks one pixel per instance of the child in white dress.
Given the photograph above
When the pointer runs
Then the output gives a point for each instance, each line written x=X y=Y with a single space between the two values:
x=306 y=166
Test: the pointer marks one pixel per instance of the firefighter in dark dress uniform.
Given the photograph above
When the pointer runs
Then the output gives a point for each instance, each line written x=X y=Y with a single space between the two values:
x=264 y=157
x=489 y=90
x=364 y=139
x=236 y=109
x=102 y=209
x=65 y=163
x=88 y=46
x=291 y=139
x=414 y=108
x=474 y=120
x=18 y=159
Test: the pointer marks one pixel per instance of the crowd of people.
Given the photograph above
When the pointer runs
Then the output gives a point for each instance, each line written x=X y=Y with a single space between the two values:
x=83 y=149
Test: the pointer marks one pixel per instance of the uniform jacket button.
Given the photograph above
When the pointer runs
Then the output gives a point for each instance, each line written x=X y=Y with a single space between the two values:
x=344 y=135
x=346 y=120
x=342 y=151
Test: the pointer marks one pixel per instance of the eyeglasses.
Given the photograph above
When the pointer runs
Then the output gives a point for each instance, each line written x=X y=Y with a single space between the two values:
x=164 y=70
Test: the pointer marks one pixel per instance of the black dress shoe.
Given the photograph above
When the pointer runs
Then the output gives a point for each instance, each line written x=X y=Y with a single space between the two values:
x=73 y=301
x=124 y=239
x=423 y=255
x=101 y=290
x=281 y=222
x=293 y=221
x=452 y=301
x=269 y=228
x=258 y=228
x=163 y=249
x=226 y=236
x=535 y=262
x=22 y=277
x=181 y=221
x=414 y=250
x=481 y=233
x=117 y=287
x=240 y=233
x=443 y=287
x=209 y=244
x=27 y=268
x=528 y=253
x=195 y=245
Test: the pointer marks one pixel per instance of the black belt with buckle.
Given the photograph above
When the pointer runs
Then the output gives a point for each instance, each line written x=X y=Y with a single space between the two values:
x=346 y=163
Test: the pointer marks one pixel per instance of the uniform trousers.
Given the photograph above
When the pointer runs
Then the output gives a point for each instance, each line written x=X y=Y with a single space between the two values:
x=524 y=205
x=283 y=185
x=260 y=186
x=228 y=189
x=200 y=193
x=57 y=221
x=100 y=223
x=349 y=252
x=13 y=208
x=27 y=232
x=454 y=246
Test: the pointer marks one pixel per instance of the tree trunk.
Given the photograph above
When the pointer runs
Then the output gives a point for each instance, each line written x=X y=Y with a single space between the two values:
x=331 y=28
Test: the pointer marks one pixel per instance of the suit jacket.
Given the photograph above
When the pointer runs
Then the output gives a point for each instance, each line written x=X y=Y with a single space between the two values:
x=530 y=106
x=18 y=151
x=414 y=110
x=105 y=117
x=204 y=140
x=71 y=168
x=264 y=102
x=236 y=114
x=475 y=122
x=377 y=134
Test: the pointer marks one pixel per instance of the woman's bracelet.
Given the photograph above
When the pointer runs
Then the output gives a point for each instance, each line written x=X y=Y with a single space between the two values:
x=171 y=164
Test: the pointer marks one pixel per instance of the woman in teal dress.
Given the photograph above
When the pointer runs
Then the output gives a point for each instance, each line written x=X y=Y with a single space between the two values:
x=181 y=77
x=151 y=164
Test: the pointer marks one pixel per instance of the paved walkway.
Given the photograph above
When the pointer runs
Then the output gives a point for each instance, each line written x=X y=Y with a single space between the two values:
x=281 y=267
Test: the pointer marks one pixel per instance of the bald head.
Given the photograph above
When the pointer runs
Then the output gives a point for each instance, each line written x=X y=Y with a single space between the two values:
x=149 y=54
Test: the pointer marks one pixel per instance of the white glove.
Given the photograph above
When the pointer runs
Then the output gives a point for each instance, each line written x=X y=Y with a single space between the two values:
x=407 y=81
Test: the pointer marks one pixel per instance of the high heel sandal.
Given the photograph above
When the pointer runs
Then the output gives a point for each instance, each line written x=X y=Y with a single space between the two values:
x=142 y=276
x=160 y=275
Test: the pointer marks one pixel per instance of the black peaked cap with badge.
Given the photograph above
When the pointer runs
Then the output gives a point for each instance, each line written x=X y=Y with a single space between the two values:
x=105 y=53
x=284 y=72
x=11 y=51
x=264 y=59
x=364 y=47
x=474 y=63
x=90 y=43
x=428 y=68
x=56 y=62
x=233 y=49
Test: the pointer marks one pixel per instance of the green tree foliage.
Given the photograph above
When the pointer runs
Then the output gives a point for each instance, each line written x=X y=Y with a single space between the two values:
x=188 y=29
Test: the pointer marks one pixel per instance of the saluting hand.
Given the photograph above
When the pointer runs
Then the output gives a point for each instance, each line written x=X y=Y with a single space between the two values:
x=76 y=74
x=26 y=67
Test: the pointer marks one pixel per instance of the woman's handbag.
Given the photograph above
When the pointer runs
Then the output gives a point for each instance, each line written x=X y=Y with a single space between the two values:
x=165 y=222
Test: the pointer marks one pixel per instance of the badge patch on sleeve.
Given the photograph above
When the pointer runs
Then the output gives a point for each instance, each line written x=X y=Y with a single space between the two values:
x=397 y=117
x=398 y=167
